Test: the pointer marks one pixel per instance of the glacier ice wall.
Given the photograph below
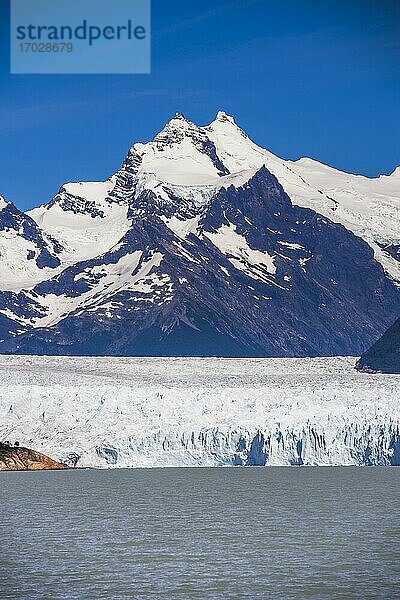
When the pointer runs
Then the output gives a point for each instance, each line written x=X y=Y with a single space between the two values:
x=312 y=444
x=179 y=412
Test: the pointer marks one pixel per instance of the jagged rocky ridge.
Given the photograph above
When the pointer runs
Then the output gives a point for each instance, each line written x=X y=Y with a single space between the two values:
x=202 y=244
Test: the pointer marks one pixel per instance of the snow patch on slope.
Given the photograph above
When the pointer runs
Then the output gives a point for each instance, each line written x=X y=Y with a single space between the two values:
x=94 y=191
x=239 y=253
x=126 y=274
x=182 y=227
x=17 y=272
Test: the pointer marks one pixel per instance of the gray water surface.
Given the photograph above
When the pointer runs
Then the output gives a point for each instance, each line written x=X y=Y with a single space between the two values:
x=201 y=533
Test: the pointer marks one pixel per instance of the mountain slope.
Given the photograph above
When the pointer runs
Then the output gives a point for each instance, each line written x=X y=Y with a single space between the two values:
x=27 y=255
x=384 y=355
x=84 y=219
x=205 y=244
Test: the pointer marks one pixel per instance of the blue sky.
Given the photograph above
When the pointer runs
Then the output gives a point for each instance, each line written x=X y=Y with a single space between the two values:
x=303 y=78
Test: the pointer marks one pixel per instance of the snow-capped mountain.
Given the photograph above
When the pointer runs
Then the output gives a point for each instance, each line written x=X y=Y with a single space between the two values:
x=204 y=243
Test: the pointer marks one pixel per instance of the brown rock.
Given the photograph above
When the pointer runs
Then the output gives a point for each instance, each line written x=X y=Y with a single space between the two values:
x=16 y=458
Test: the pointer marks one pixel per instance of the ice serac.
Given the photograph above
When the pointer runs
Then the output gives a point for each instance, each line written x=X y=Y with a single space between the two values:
x=384 y=355
x=203 y=243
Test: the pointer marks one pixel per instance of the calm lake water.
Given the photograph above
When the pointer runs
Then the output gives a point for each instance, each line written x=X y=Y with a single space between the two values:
x=201 y=533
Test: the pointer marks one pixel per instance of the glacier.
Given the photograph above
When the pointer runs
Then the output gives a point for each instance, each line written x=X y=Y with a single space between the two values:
x=158 y=412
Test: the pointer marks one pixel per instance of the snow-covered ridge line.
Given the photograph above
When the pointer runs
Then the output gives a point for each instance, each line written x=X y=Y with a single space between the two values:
x=194 y=162
x=205 y=412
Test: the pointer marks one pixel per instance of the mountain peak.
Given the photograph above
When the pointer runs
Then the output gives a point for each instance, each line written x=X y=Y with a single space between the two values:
x=226 y=123
x=176 y=128
x=179 y=120
x=223 y=117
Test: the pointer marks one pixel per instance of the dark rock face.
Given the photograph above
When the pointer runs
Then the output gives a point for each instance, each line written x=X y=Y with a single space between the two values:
x=392 y=249
x=384 y=355
x=75 y=204
x=324 y=295
x=7 y=329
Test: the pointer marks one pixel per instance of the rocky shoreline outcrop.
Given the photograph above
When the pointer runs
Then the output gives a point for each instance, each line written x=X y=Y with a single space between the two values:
x=17 y=458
